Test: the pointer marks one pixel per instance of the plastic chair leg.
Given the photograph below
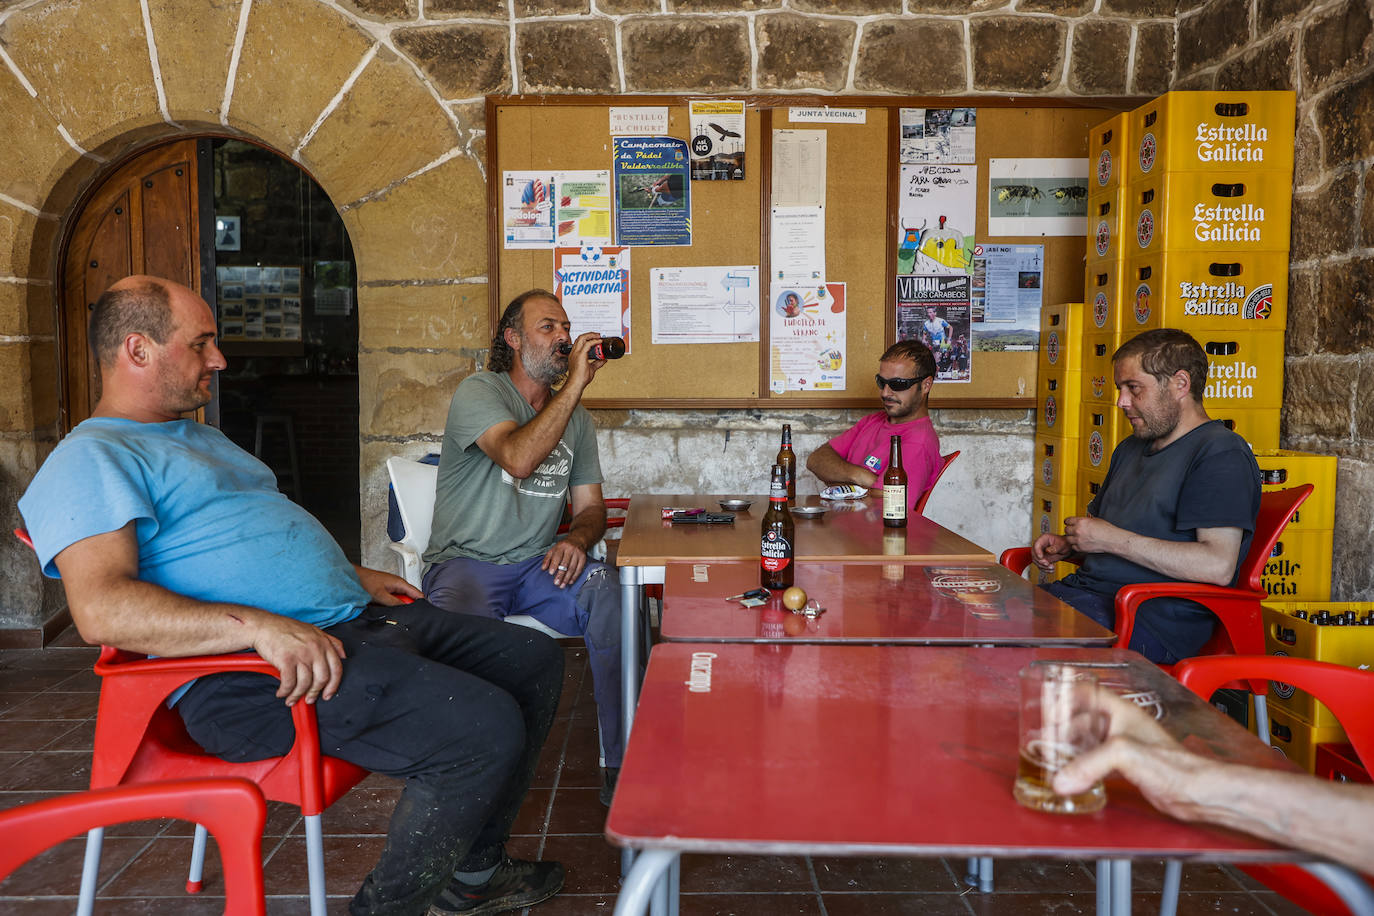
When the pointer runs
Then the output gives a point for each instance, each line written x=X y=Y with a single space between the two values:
x=195 y=880
x=90 y=871
x=1173 y=880
x=314 y=857
x=1104 y=886
x=1262 y=718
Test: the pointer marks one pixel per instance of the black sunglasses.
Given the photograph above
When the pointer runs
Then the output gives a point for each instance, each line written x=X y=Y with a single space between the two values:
x=898 y=384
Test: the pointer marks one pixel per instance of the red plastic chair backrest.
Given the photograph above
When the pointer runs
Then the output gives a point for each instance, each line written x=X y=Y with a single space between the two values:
x=945 y=462
x=1276 y=509
x=1347 y=692
x=232 y=809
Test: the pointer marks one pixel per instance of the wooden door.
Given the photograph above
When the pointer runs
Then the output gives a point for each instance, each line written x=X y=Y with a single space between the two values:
x=143 y=219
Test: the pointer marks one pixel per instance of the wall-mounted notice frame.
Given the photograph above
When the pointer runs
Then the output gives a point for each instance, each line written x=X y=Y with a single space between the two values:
x=730 y=226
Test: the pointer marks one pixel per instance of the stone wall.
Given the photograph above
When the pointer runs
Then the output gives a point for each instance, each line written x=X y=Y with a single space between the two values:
x=1325 y=53
x=381 y=100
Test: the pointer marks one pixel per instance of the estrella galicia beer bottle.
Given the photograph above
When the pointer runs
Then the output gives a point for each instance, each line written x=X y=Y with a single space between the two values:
x=894 y=488
x=787 y=460
x=776 y=538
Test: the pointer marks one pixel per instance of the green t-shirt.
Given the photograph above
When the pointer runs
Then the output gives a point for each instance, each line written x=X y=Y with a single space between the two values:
x=482 y=512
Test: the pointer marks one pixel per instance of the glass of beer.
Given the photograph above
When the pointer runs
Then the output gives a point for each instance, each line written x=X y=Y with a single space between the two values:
x=1060 y=718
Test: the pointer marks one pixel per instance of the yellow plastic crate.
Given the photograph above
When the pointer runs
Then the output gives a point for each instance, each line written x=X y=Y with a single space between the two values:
x=1099 y=385
x=1214 y=132
x=1061 y=336
x=1201 y=211
x=1048 y=511
x=1297 y=739
x=1284 y=634
x=1299 y=569
x=1244 y=369
x=1103 y=429
x=1281 y=469
x=1258 y=426
x=1108 y=225
x=1056 y=465
x=1058 y=395
x=1191 y=290
x=1104 y=292
x=1089 y=482
x=1108 y=149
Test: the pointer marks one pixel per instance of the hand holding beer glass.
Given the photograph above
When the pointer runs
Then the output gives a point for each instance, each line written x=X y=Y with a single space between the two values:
x=1060 y=718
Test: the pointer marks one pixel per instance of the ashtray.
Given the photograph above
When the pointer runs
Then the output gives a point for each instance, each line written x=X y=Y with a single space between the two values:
x=736 y=505
x=808 y=511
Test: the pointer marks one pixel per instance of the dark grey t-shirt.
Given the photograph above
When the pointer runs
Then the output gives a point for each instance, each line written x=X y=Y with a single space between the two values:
x=1206 y=479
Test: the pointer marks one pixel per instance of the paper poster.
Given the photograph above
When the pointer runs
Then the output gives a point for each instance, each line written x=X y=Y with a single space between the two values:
x=935 y=309
x=936 y=207
x=797 y=242
x=1007 y=281
x=593 y=283
x=807 y=342
x=692 y=305
x=638 y=120
x=1037 y=197
x=547 y=208
x=652 y=191
x=827 y=115
x=799 y=168
x=938 y=135
x=717 y=140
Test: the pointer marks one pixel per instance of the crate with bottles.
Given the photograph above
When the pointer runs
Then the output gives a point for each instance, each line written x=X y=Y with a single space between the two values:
x=1341 y=633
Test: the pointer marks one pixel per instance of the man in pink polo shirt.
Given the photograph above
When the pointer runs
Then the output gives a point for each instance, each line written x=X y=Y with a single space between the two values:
x=906 y=373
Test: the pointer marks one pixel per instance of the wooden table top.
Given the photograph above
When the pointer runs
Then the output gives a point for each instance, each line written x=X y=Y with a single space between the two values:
x=850 y=530
x=887 y=750
x=870 y=603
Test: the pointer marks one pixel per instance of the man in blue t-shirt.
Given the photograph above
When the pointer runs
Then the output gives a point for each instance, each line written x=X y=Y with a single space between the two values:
x=170 y=540
x=1178 y=504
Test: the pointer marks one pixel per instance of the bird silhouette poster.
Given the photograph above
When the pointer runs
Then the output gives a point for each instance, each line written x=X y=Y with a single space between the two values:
x=717 y=144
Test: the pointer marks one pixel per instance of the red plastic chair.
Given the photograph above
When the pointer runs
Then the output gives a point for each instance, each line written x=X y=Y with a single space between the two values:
x=1242 y=625
x=233 y=809
x=138 y=739
x=946 y=461
x=1347 y=692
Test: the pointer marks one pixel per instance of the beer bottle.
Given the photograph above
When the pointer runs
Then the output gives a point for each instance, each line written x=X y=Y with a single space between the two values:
x=894 y=488
x=787 y=460
x=776 y=538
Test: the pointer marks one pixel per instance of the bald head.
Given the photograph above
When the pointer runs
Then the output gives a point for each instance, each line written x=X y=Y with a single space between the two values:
x=134 y=305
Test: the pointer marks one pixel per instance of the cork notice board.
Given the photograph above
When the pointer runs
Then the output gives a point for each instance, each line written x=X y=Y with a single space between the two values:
x=730 y=227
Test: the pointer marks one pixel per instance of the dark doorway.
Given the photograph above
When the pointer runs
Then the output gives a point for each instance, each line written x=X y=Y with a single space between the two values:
x=285 y=292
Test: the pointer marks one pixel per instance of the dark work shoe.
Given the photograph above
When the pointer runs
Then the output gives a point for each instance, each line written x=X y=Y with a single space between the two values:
x=608 y=777
x=515 y=884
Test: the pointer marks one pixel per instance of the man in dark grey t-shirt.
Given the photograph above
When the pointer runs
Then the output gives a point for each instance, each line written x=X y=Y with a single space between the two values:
x=1178 y=504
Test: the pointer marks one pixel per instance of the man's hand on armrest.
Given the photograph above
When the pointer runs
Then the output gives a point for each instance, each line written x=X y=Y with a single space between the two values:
x=384 y=586
x=112 y=606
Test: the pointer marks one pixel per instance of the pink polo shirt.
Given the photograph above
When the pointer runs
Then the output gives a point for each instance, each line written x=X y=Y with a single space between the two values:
x=867 y=443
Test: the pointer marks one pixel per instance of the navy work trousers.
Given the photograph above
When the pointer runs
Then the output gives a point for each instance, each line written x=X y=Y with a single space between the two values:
x=456 y=706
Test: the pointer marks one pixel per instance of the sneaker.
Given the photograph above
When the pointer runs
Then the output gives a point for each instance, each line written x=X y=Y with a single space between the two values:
x=608 y=777
x=515 y=884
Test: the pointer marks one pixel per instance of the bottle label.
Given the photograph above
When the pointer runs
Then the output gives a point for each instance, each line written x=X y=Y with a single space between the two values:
x=775 y=552
x=894 y=502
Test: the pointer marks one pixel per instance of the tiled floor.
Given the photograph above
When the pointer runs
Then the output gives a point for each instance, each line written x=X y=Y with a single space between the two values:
x=47 y=705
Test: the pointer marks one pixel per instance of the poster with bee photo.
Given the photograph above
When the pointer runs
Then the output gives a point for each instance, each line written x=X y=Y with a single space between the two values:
x=1037 y=197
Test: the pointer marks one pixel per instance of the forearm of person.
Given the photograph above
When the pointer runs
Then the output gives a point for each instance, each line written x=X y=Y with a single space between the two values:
x=142 y=617
x=827 y=464
x=520 y=449
x=1334 y=820
x=1212 y=561
x=587 y=527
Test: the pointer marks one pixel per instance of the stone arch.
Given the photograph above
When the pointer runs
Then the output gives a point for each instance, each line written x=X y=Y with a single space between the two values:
x=84 y=84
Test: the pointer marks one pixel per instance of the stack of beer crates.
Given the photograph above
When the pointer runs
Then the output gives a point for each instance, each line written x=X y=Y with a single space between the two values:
x=1058 y=419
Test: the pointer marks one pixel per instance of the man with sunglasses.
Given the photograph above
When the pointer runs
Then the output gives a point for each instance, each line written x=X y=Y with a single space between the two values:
x=906 y=373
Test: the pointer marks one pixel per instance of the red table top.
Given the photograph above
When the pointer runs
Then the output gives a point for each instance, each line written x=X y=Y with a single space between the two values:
x=893 y=603
x=874 y=750
x=850 y=530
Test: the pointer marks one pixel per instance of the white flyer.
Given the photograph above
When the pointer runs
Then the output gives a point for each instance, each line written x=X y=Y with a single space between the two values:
x=797 y=245
x=693 y=305
x=799 y=168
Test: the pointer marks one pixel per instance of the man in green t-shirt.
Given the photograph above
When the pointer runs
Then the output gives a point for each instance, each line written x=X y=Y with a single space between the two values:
x=518 y=451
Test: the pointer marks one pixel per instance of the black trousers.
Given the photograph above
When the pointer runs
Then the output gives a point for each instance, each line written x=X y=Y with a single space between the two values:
x=457 y=706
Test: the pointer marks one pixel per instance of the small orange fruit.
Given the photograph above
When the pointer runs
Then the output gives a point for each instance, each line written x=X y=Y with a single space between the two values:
x=794 y=599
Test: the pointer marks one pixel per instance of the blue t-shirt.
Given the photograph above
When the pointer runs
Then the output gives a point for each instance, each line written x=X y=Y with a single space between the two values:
x=209 y=520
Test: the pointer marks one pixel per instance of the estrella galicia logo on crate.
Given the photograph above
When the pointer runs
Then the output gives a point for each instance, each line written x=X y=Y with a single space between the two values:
x=1147 y=152
x=1142 y=303
x=1145 y=229
x=1052 y=347
x=1100 y=309
x=1051 y=410
x=1102 y=238
x=1282 y=690
x=1095 y=448
x=1104 y=168
x=1260 y=302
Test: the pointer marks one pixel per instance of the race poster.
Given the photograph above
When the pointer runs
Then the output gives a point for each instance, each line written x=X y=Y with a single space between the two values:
x=935 y=309
x=593 y=283
x=717 y=128
x=652 y=191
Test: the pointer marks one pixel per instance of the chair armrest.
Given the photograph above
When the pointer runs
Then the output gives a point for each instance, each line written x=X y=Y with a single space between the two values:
x=1238 y=609
x=1016 y=559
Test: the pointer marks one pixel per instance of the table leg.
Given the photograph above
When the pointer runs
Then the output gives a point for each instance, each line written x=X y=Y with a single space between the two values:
x=674 y=886
x=1121 y=887
x=649 y=870
x=631 y=591
x=1104 y=887
x=1173 y=881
